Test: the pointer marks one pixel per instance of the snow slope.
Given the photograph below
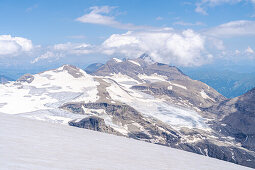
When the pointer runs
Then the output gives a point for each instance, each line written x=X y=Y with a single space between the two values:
x=31 y=144
x=41 y=98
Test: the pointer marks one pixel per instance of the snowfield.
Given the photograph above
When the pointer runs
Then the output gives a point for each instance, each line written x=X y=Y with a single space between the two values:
x=48 y=91
x=32 y=144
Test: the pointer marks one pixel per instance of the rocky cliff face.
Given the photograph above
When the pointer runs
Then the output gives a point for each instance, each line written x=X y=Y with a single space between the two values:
x=237 y=118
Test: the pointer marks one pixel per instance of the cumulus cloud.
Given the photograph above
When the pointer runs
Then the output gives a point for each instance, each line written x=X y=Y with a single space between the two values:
x=100 y=15
x=14 y=45
x=186 y=48
x=233 y=28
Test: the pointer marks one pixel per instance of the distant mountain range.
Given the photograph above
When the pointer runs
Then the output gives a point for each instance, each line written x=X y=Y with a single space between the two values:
x=140 y=99
x=93 y=67
x=5 y=79
x=229 y=83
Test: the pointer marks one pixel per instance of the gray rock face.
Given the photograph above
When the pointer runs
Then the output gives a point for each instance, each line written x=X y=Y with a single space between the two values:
x=26 y=78
x=93 y=123
x=74 y=71
x=237 y=118
x=226 y=153
x=138 y=127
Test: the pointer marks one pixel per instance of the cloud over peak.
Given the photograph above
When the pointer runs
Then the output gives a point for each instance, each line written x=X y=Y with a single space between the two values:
x=186 y=48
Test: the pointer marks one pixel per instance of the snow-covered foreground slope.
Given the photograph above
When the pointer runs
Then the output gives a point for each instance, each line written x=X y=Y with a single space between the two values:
x=32 y=144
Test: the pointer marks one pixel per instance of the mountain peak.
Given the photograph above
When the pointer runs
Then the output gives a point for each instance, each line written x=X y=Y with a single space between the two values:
x=72 y=70
x=147 y=58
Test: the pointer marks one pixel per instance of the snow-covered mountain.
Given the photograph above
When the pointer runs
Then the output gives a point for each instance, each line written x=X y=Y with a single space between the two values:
x=137 y=98
x=31 y=144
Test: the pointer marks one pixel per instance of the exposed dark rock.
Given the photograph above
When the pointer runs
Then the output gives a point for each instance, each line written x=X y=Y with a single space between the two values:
x=72 y=70
x=93 y=123
x=26 y=78
x=237 y=118
x=127 y=116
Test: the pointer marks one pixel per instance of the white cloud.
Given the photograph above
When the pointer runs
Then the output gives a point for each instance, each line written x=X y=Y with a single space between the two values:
x=100 y=15
x=14 y=45
x=184 y=49
x=233 y=28
x=73 y=48
x=249 y=50
x=237 y=52
x=215 y=43
x=202 y=5
x=46 y=55
x=200 y=10
x=61 y=50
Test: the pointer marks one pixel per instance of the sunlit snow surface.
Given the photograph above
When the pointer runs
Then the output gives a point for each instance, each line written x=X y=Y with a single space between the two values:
x=46 y=93
x=27 y=144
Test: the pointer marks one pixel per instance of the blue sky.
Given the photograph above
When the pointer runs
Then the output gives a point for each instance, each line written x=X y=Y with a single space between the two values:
x=42 y=33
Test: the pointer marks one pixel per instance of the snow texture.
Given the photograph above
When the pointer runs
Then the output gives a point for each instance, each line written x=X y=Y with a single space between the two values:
x=205 y=96
x=134 y=62
x=27 y=144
